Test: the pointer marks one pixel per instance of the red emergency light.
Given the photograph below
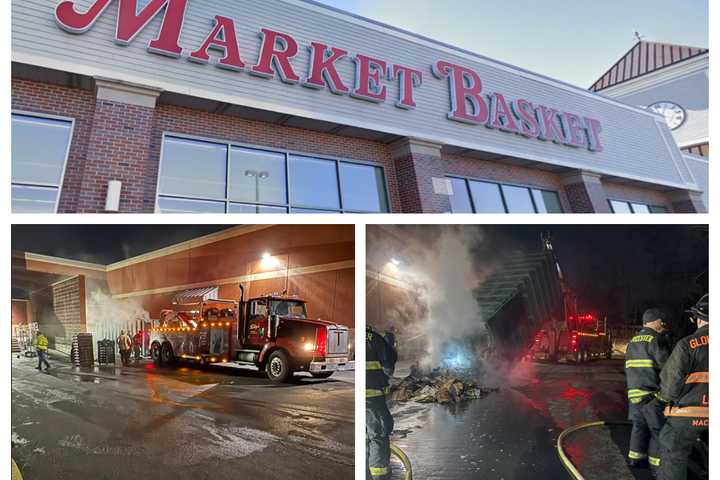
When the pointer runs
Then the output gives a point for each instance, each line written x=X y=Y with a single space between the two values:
x=321 y=342
x=573 y=341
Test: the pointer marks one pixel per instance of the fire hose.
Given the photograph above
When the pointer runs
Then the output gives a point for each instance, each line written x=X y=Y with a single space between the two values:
x=569 y=466
x=395 y=450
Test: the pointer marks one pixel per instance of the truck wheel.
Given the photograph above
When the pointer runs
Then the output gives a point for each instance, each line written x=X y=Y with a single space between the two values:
x=155 y=353
x=321 y=374
x=278 y=367
x=166 y=355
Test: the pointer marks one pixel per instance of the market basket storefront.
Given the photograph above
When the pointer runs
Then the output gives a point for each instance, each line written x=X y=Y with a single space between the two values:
x=294 y=107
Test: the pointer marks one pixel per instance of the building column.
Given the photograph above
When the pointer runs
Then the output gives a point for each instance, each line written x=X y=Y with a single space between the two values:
x=585 y=192
x=686 y=201
x=421 y=176
x=119 y=147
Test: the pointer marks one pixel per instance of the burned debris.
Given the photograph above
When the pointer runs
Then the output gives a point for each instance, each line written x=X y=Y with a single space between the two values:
x=439 y=385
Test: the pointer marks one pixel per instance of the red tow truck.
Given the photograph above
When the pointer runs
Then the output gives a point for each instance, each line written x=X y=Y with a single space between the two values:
x=271 y=332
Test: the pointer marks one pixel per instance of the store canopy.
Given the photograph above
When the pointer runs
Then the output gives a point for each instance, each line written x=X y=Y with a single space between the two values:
x=196 y=295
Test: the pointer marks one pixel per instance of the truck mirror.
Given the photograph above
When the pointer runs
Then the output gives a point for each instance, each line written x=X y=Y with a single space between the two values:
x=274 y=322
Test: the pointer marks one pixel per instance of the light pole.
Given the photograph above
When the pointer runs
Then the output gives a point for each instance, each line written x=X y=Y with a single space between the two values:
x=258 y=176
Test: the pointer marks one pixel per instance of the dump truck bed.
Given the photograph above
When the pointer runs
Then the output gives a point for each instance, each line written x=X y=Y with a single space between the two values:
x=518 y=298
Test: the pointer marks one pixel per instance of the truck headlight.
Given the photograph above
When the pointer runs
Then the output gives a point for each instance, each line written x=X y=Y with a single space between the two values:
x=309 y=347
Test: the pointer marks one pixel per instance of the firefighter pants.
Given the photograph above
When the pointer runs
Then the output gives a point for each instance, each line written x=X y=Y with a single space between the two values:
x=378 y=427
x=678 y=438
x=125 y=357
x=647 y=420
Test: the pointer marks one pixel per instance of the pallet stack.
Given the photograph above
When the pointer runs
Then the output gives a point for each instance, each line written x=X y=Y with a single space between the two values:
x=106 y=351
x=82 y=350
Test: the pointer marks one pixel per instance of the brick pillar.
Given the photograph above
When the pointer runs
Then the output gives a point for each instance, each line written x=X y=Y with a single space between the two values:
x=685 y=201
x=119 y=147
x=585 y=192
x=421 y=176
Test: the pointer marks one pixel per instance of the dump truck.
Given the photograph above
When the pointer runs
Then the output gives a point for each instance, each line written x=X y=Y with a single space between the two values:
x=271 y=332
x=531 y=312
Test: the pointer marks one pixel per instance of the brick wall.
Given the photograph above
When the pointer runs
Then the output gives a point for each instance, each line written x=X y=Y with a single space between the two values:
x=416 y=188
x=579 y=197
x=20 y=312
x=60 y=312
x=115 y=141
x=67 y=102
x=187 y=121
x=504 y=173
x=118 y=149
x=632 y=193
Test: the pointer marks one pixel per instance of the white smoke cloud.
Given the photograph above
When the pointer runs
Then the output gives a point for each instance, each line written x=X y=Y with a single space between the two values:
x=441 y=309
x=107 y=316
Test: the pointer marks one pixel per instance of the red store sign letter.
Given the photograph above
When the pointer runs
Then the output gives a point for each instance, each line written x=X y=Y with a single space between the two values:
x=408 y=79
x=222 y=37
x=369 y=73
x=276 y=51
x=465 y=87
x=322 y=68
x=129 y=21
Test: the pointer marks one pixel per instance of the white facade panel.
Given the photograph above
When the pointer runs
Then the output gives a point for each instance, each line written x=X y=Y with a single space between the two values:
x=700 y=168
x=691 y=92
x=633 y=146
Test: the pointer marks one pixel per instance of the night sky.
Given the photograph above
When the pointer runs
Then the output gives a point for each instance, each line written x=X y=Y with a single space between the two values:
x=103 y=244
x=615 y=270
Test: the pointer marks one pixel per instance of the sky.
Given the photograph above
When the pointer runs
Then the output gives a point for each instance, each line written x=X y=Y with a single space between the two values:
x=574 y=41
x=103 y=244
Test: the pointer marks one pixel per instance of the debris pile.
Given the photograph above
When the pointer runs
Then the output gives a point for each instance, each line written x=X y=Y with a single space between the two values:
x=438 y=386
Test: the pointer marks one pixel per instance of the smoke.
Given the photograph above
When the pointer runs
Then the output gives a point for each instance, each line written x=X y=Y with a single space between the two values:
x=453 y=312
x=107 y=316
x=440 y=267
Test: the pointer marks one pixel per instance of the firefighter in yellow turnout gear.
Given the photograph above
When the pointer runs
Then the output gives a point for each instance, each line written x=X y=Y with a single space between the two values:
x=645 y=357
x=381 y=357
x=685 y=389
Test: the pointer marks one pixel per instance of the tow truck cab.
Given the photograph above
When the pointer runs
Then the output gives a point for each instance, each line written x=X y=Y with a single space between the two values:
x=277 y=335
x=271 y=332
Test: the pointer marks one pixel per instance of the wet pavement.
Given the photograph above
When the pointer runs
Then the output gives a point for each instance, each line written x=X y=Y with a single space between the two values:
x=182 y=423
x=512 y=434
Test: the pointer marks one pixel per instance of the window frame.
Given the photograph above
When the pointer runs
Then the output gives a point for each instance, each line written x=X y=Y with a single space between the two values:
x=71 y=137
x=529 y=188
x=287 y=153
x=632 y=210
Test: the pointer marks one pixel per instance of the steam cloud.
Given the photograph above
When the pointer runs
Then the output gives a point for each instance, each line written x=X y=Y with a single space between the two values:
x=106 y=316
x=442 y=265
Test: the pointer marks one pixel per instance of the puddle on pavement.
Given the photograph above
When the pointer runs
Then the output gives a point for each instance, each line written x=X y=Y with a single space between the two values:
x=86 y=379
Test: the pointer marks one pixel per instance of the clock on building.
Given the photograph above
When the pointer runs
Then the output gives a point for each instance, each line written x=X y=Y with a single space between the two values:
x=674 y=114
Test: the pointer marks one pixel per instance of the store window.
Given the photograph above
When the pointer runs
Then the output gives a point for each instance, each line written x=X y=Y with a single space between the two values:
x=38 y=167
x=475 y=196
x=200 y=176
x=622 y=206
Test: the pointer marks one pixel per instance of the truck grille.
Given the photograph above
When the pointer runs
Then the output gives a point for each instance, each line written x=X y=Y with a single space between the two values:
x=337 y=341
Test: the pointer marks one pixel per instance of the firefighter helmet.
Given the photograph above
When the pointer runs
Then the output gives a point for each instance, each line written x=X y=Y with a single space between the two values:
x=701 y=309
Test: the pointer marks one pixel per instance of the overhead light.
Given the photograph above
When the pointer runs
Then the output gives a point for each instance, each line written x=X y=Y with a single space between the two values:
x=395 y=261
x=268 y=261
